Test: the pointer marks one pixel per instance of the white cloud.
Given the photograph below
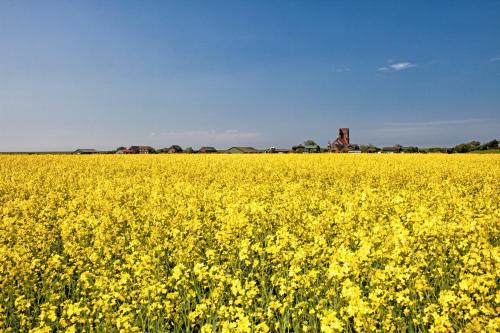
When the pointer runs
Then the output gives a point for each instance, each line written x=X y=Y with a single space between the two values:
x=495 y=59
x=402 y=65
x=397 y=67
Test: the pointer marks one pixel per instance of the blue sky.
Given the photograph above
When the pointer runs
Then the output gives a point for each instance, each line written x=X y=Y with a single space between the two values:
x=101 y=74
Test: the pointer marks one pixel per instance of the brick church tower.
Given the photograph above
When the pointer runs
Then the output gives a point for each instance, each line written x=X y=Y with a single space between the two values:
x=343 y=137
x=342 y=144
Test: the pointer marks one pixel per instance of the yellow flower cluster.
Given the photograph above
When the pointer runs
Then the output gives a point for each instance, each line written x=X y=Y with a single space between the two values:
x=250 y=243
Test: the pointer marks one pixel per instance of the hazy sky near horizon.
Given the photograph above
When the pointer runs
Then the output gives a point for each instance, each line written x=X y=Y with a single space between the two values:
x=102 y=74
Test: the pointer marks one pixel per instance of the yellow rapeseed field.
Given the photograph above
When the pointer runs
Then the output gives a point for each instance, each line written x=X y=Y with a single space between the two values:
x=250 y=243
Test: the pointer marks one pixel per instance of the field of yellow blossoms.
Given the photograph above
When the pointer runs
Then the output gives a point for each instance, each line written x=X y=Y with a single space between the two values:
x=250 y=243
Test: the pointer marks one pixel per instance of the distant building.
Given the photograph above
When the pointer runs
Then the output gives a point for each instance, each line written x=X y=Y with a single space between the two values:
x=207 y=150
x=174 y=149
x=342 y=144
x=343 y=137
x=141 y=150
x=123 y=151
x=274 y=150
x=298 y=149
x=85 y=151
x=242 y=150
x=392 y=149
x=312 y=149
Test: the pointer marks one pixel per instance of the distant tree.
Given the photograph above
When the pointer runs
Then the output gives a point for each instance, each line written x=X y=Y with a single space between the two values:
x=310 y=143
x=437 y=150
x=462 y=148
x=474 y=145
x=467 y=147
x=369 y=148
x=483 y=147
x=493 y=144
x=189 y=150
x=120 y=148
x=410 y=149
x=298 y=149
